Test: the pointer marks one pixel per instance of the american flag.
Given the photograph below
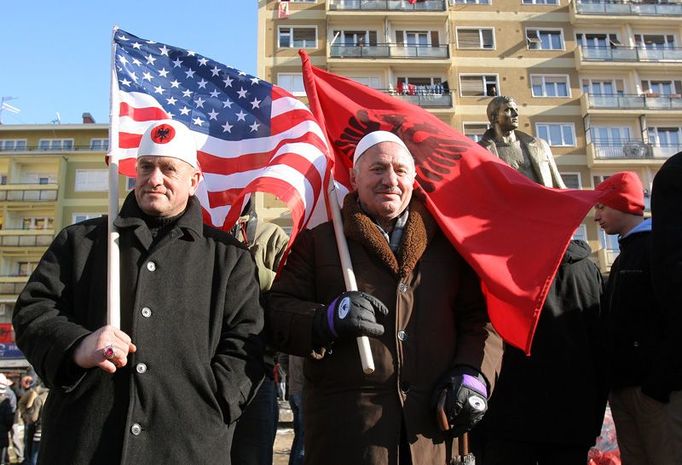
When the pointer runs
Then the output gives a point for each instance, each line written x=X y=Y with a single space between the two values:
x=252 y=135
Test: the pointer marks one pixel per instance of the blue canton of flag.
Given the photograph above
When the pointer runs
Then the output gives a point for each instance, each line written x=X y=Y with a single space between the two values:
x=206 y=96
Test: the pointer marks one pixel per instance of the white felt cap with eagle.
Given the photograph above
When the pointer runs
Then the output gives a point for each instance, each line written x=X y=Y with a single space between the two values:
x=374 y=138
x=169 y=138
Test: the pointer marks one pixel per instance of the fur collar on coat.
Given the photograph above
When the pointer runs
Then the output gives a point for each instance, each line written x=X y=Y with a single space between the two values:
x=418 y=232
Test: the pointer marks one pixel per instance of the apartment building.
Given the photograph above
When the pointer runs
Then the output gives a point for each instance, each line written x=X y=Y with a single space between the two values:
x=51 y=176
x=600 y=81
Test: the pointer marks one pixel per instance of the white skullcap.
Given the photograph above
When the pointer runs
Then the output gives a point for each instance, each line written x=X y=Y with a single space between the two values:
x=374 y=138
x=169 y=138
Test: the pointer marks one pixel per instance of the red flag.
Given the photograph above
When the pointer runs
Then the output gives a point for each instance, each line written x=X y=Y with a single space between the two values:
x=512 y=231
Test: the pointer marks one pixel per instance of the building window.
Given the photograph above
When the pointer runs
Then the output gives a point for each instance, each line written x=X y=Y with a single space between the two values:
x=557 y=134
x=37 y=222
x=293 y=82
x=550 y=86
x=78 y=217
x=545 y=39
x=478 y=38
x=661 y=87
x=17 y=145
x=92 y=181
x=26 y=268
x=666 y=141
x=470 y=2
x=354 y=38
x=474 y=131
x=417 y=38
x=302 y=1
x=99 y=144
x=580 y=233
x=539 y=2
x=370 y=81
x=478 y=85
x=297 y=37
x=55 y=144
x=572 y=180
x=603 y=87
x=655 y=41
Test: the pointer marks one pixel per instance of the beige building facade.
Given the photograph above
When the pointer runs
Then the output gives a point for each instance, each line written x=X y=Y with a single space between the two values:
x=51 y=176
x=600 y=81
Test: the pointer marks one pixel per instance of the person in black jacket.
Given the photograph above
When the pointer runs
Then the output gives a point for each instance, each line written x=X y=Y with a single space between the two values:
x=548 y=407
x=166 y=386
x=665 y=384
x=634 y=326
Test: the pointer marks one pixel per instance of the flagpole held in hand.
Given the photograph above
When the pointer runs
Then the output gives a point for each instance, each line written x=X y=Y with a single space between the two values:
x=348 y=275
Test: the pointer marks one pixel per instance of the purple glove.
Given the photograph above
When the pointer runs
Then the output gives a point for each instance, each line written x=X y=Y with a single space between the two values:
x=461 y=400
x=351 y=314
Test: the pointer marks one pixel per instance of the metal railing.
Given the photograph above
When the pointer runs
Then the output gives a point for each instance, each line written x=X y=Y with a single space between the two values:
x=10 y=238
x=389 y=51
x=12 y=288
x=37 y=148
x=633 y=149
x=635 y=102
x=621 y=53
x=7 y=194
x=391 y=5
x=629 y=9
x=423 y=99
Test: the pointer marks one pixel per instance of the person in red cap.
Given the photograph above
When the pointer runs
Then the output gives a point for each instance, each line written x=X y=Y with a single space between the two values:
x=634 y=326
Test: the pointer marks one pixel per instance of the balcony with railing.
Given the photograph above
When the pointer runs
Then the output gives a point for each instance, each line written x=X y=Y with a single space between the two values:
x=423 y=98
x=12 y=284
x=51 y=149
x=618 y=8
x=28 y=192
x=387 y=5
x=424 y=52
x=26 y=237
x=636 y=102
x=629 y=54
x=629 y=151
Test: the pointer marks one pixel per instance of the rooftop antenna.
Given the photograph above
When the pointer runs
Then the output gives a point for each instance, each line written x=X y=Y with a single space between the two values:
x=6 y=106
x=58 y=120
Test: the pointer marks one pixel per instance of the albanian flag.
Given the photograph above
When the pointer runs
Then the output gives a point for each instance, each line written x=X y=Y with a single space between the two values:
x=512 y=231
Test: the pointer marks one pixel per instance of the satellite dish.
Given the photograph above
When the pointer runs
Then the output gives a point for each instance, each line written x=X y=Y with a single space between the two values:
x=635 y=149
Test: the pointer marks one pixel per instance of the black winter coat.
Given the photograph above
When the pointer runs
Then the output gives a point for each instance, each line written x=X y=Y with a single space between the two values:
x=666 y=268
x=189 y=303
x=555 y=395
x=633 y=318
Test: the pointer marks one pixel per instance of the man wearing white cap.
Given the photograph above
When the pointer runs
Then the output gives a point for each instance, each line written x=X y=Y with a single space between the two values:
x=419 y=303
x=165 y=386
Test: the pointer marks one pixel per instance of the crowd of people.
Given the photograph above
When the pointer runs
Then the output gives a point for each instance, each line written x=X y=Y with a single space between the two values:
x=21 y=408
x=188 y=376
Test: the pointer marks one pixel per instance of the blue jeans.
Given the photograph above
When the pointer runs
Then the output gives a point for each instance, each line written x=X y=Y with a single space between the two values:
x=296 y=455
x=254 y=435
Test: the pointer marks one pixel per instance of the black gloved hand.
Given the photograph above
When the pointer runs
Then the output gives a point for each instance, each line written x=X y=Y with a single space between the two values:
x=351 y=314
x=461 y=400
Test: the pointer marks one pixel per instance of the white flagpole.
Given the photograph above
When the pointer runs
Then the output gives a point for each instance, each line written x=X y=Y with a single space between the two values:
x=348 y=274
x=113 y=274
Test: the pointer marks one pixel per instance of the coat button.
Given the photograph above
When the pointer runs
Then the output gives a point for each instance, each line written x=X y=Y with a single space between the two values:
x=141 y=368
x=151 y=266
x=402 y=287
x=146 y=312
x=136 y=429
x=402 y=335
x=405 y=387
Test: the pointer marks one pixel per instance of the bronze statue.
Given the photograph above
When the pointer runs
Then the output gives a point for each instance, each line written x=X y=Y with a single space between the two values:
x=523 y=152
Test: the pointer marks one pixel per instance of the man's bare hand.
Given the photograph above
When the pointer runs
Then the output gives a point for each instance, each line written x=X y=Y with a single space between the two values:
x=106 y=348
